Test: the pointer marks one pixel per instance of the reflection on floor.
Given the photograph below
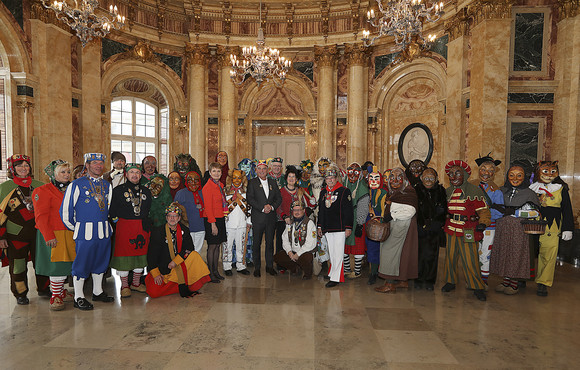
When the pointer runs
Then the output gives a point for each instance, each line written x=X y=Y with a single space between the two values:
x=285 y=323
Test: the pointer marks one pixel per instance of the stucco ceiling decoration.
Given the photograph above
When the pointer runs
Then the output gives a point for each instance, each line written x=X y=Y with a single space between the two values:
x=278 y=102
x=141 y=89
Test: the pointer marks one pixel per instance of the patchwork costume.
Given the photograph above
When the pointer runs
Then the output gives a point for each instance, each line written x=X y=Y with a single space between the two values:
x=467 y=210
x=355 y=243
x=17 y=227
x=299 y=237
x=238 y=223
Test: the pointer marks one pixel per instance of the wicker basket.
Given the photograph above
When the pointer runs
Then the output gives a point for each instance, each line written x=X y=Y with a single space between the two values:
x=534 y=227
x=377 y=230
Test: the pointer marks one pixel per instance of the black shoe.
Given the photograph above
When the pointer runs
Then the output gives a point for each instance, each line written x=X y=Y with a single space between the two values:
x=542 y=290
x=244 y=272
x=228 y=273
x=418 y=285
x=217 y=275
x=184 y=291
x=45 y=293
x=480 y=294
x=257 y=273
x=22 y=301
x=83 y=305
x=103 y=297
x=306 y=277
x=271 y=271
x=521 y=284
x=331 y=284
x=250 y=264
x=429 y=286
x=372 y=279
x=448 y=287
x=215 y=280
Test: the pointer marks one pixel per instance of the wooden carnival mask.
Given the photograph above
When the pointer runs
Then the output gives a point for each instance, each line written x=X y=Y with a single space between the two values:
x=516 y=176
x=323 y=164
x=193 y=181
x=237 y=178
x=353 y=172
x=429 y=178
x=486 y=171
x=547 y=171
x=456 y=175
x=174 y=180
x=375 y=179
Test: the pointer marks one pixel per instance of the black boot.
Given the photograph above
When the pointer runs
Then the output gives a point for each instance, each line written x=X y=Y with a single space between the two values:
x=324 y=270
x=542 y=290
x=184 y=291
x=372 y=279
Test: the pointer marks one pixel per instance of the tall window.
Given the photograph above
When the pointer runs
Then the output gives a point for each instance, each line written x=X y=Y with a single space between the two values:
x=136 y=130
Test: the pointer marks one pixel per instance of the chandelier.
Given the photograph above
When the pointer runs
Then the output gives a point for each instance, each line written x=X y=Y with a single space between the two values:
x=82 y=18
x=259 y=62
x=402 y=19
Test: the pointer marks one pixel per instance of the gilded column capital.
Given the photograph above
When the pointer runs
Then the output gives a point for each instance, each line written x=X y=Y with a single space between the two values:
x=223 y=54
x=325 y=56
x=356 y=54
x=568 y=9
x=458 y=25
x=197 y=53
x=481 y=10
x=24 y=104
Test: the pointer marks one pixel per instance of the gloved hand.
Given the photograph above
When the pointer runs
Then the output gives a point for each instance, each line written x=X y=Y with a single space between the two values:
x=387 y=217
x=480 y=227
x=567 y=235
x=510 y=211
x=358 y=231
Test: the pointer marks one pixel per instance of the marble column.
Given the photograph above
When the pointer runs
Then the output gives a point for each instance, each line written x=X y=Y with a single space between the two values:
x=490 y=42
x=565 y=145
x=93 y=139
x=453 y=131
x=51 y=47
x=228 y=106
x=356 y=138
x=325 y=57
x=197 y=55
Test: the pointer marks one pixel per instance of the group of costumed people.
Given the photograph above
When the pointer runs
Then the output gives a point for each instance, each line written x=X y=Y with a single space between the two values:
x=314 y=218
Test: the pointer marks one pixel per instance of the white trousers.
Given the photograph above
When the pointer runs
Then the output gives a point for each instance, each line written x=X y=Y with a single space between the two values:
x=198 y=238
x=336 y=252
x=238 y=234
x=485 y=246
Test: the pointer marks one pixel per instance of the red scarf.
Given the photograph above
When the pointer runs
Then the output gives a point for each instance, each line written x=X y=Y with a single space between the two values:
x=198 y=201
x=330 y=191
x=224 y=202
x=23 y=181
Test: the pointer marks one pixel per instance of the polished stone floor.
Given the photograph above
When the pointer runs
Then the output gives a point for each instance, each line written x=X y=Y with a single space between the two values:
x=285 y=323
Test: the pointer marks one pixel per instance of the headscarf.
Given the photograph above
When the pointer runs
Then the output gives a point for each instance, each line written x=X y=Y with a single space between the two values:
x=179 y=187
x=50 y=172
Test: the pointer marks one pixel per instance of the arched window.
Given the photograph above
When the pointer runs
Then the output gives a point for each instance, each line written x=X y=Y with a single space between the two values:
x=139 y=129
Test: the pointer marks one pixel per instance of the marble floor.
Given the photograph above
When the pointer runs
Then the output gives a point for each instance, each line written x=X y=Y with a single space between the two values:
x=285 y=323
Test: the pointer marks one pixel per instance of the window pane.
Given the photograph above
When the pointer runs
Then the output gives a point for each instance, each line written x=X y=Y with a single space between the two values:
x=115 y=128
x=151 y=131
x=140 y=131
x=127 y=117
x=140 y=119
x=151 y=148
x=150 y=109
x=127 y=130
x=116 y=145
x=150 y=121
x=127 y=106
x=115 y=116
x=139 y=107
x=116 y=105
x=140 y=147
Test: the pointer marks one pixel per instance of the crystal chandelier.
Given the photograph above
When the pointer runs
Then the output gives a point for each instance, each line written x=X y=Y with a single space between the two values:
x=260 y=62
x=402 y=19
x=82 y=18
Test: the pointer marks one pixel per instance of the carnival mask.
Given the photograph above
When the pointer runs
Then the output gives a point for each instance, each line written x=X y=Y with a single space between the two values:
x=156 y=186
x=486 y=171
x=193 y=181
x=149 y=165
x=429 y=178
x=353 y=172
x=416 y=168
x=174 y=180
x=386 y=174
x=323 y=165
x=396 y=179
x=306 y=174
x=456 y=176
x=237 y=178
x=222 y=158
x=548 y=171
x=516 y=176
x=182 y=167
x=374 y=180
x=247 y=168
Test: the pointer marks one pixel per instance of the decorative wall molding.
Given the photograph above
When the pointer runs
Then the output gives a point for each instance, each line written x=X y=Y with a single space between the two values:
x=357 y=54
x=325 y=56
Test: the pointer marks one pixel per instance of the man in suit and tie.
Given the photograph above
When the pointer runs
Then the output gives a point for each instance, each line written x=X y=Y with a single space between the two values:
x=264 y=197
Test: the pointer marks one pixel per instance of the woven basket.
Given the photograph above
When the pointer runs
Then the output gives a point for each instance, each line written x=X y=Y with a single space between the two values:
x=377 y=230
x=534 y=227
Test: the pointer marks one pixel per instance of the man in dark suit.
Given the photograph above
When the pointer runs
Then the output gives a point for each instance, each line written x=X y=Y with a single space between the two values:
x=264 y=197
